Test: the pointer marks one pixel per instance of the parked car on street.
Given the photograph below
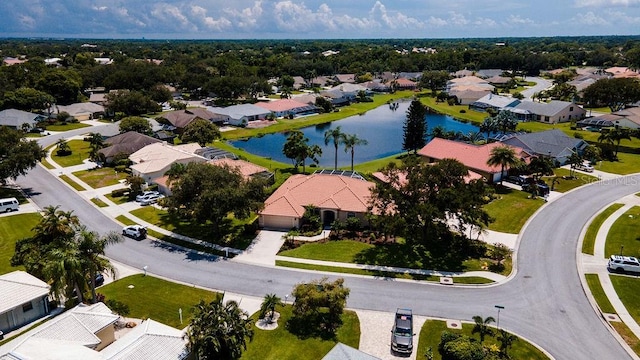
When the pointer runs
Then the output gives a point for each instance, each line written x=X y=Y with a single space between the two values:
x=402 y=332
x=145 y=194
x=620 y=263
x=138 y=232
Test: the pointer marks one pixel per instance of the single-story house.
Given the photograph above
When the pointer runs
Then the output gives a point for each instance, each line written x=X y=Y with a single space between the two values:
x=402 y=177
x=88 y=332
x=495 y=102
x=320 y=81
x=468 y=80
x=246 y=169
x=23 y=299
x=468 y=97
x=498 y=80
x=489 y=73
x=622 y=72
x=335 y=196
x=628 y=118
x=344 y=78
x=240 y=115
x=78 y=333
x=551 y=143
x=474 y=157
x=405 y=84
x=152 y=161
x=286 y=107
x=338 y=97
x=377 y=85
x=80 y=111
x=16 y=119
x=98 y=98
x=125 y=144
x=181 y=118
x=299 y=82
x=351 y=90
x=462 y=73
x=416 y=76
x=345 y=352
x=552 y=112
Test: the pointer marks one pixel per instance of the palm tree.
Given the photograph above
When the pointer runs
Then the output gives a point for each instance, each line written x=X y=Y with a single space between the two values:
x=219 y=331
x=337 y=136
x=92 y=247
x=482 y=326
x=350 y=141
x=574 y=160
x=268 y=305
x=506 y=340
x=614 y=137
x=135 y=183
x=503 y=156
x=95 y=144
x=55 y=225
x=64 y=270
x=62 y=148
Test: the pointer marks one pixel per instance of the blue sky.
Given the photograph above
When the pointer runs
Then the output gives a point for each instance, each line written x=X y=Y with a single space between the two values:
x=287 y=19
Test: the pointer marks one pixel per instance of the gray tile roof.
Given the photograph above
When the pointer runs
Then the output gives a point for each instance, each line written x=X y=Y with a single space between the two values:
x=19 y=287
x=15 y=118
x=542 y=108
x=551 y=142
x=497 y=101
x=239 y=111
x=346 y=352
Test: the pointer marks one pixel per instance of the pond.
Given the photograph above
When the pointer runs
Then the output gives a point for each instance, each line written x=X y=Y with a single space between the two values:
x=381 y=127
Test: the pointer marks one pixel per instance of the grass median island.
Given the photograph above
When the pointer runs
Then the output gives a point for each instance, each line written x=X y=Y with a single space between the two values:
x=79 y=152
x=97 y=178
x=432 y=330
x=598 y=294
x=280 y=344
x=72 y=183
x=624 y=232
x=155 y=298
x=12 y=229
x=511 y=210
x=589 y=240
x=98 y=202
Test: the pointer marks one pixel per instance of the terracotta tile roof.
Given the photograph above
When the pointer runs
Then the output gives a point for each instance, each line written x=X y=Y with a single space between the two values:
x=246 y=168
x=402 y=177
x=281 y=105
x=402 y=82
x=472 y=156
x=325 y=191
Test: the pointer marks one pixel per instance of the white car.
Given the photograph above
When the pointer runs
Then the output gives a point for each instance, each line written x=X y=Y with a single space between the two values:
x=138 y=232
x=146 y=193
x=150 y=199
x=584 y=167
x=623 y=263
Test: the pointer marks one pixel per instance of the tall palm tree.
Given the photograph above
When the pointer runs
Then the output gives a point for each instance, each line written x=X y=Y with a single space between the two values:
x=350 y=141
x=337 y=137
x=482 y=326
x=269 y=303
x=64 y=270
x=614 y=137
x=56 y=225
x=92 y=247
x=219 y=331
x=95 y=144
x=503 y=156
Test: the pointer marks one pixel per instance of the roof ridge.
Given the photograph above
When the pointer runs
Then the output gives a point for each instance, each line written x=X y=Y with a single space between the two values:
x=24 y=283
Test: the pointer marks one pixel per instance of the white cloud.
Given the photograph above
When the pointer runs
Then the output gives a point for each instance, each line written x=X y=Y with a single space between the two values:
x=623 y=18
x=589 y=19
x=518 y=20
x=200 y=15
x=247 y=18
x=27 y=21
x=458 y=19
x=170 y=14
x=436 y=21
x=485 y=22
x=604 y=3
x=393 y=21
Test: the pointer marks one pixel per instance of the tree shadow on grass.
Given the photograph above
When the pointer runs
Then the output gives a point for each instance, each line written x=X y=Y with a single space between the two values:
x=312 y=326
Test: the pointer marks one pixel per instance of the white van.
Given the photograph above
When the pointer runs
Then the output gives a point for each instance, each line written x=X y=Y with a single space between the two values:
x=9 y=204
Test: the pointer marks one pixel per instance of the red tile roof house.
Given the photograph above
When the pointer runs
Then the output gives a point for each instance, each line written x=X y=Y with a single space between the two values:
x=285 y=107
x=336 y=196
x=474 y=157
x=406 y=84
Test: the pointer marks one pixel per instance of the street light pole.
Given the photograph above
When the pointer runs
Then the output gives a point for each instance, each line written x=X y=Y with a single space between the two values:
x=621 y=249
x=499 y=307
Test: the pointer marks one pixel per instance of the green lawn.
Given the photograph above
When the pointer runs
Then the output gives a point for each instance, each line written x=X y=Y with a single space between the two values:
x=564 y=185
x=624 y=232
x=598 y=293
x=280 y=344
x=66 y=127
x=589 y=240
x=628 y=289
x=97 y=178
x=286 y=125
x=125 y=220
x=511 y=210
x=73 y=184
x=12 y=229
x=454 y=110
x=46 y=164
x=155 y=298
x=432 y=329
x=372 y=166
x=163 y=219
x=79 y=152
x=118 y=200
x=355 y=252
x=626 y=164
x=99 y=202
x=628 y=335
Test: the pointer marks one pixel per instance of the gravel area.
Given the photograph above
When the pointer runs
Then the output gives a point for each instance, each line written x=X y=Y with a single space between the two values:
x=375 y=334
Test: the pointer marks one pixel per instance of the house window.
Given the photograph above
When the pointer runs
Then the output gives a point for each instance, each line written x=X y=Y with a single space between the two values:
x=26 y=307
x=571 y=108
x=351 y=214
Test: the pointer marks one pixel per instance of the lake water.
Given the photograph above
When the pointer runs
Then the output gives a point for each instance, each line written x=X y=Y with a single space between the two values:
x=381 y=127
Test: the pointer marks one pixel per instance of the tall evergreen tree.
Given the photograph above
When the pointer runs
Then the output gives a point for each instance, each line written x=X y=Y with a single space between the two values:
x=415 y=127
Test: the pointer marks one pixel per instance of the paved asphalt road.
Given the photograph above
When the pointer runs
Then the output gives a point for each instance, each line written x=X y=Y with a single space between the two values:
x=544 y=301
x=541 y=84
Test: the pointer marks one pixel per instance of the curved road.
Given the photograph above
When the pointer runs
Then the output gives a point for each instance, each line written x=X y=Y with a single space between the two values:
x=544 y=301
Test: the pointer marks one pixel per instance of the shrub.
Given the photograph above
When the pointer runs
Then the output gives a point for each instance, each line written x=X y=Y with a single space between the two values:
x=577 y=135
x=118 y=307
x=462 y=111
x=120 y=168
x=119 y=192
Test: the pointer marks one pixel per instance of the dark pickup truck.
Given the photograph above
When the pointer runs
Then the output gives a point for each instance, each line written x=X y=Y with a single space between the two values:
x=402 y=332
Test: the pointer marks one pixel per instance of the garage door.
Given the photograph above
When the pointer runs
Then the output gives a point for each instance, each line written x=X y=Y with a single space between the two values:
x=277 y=222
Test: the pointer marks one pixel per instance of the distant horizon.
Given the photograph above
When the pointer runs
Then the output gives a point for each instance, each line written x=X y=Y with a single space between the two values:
x=316 y=19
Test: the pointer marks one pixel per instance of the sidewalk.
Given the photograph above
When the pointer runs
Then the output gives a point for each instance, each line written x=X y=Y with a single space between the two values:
x=597 y=263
